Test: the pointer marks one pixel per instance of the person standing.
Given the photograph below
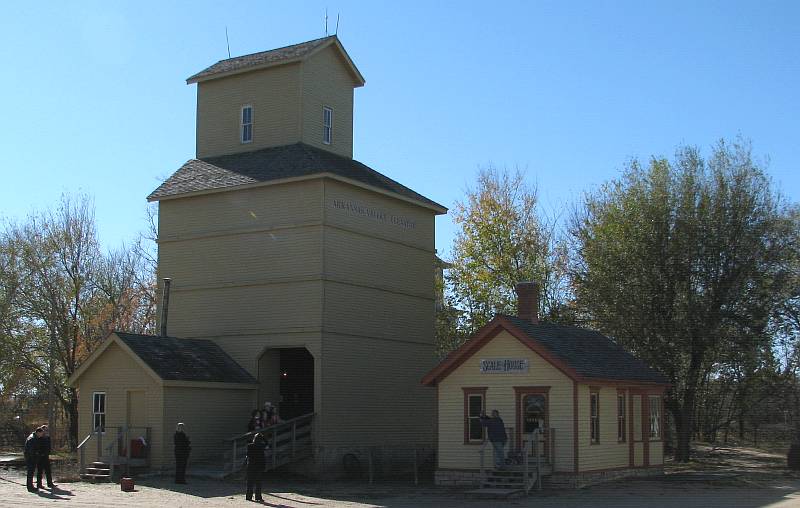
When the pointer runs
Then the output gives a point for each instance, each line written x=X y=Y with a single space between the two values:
x=43 y=463
x=182 y=449
x=32 y=447
x=497 y=436
x=255 y=467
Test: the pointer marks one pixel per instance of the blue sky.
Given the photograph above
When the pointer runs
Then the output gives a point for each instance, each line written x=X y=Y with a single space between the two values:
x=93 y=96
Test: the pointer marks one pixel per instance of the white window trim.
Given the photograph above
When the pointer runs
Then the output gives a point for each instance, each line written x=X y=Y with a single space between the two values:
x=242 y=124
x=327 y=129
x=622 y=434
x=94 y=413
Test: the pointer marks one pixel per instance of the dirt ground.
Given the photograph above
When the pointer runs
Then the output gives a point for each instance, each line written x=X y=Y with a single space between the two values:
x=724 y=477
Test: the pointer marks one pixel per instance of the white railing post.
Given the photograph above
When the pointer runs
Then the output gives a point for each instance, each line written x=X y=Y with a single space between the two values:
x=537 y=435
x=483 y=467
x=525 y=459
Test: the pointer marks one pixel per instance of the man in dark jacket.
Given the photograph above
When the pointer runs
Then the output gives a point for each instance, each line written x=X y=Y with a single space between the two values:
x=182 y=449
x=497 y=436
x=32 y=449
x=255 y=467
x=43 y=464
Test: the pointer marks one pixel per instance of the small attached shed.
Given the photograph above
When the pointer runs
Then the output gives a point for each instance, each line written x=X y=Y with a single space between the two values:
x=136 y=388
x=599 y=410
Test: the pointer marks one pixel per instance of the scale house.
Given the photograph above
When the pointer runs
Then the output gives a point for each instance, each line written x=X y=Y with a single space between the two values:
x=291 y=274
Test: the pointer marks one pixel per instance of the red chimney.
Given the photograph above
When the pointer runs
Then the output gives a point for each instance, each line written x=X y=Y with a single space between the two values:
x=528 y=301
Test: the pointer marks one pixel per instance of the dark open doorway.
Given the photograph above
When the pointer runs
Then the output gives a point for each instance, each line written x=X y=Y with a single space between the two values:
x=296 y=382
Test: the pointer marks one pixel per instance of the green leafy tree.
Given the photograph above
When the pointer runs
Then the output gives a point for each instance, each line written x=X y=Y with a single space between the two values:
x=683 y=261
x=503 y=240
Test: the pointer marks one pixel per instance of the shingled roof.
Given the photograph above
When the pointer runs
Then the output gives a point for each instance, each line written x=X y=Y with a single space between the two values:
x=288 y=161
x=176 y=359
x=287 y=54
x=584 y=354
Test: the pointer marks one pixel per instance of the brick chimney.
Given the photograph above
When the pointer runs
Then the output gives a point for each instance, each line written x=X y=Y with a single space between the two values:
x=528 y=301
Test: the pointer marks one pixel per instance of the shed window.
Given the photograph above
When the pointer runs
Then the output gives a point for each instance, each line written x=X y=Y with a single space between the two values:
x=621 y=416
x=99 y=411
x=247 y=124
x=327 y=125
x=474 y=407
x=655 y=416
x=594 y=418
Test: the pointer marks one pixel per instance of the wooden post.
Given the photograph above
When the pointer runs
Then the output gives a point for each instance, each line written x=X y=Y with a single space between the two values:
x=483 y=450
x=128 y=449
x=274 y=448
x=99 y=443
x=294 y=438
x=369 y=461
x=233 y=457
x=416 y=475
x=537 y=434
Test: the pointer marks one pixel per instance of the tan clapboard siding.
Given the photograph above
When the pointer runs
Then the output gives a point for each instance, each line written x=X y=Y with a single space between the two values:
x=500 y=395
x=273 y=93
x=372 y=393
x=420 y=236
x=638 y=447
x=244 y=258
x=364 y=260
x=209 y=416
x=114 y=372
x=326 y=82
x=244 y=309
x=608 y=452
x=656 y=453
x=256 y=209
x=362 y=311
x=638 y=454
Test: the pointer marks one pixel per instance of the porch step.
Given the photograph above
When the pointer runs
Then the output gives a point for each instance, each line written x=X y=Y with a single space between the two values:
x=497 y=493
x=97 y=472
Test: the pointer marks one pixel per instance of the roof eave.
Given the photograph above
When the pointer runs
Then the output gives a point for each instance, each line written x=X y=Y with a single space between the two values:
x=435 y=207
x=197 y=78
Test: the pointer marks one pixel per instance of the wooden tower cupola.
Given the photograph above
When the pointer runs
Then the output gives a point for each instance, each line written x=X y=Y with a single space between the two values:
x=296 y=94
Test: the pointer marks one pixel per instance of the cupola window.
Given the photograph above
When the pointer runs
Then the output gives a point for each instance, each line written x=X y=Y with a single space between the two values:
x=247 y=124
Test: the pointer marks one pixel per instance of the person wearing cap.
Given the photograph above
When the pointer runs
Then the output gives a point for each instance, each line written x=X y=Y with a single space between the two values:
x=43 y=462
x=182 y=449
x=32 y=448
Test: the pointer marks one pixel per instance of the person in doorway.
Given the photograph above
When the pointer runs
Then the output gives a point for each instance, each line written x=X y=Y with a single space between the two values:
x=269 y=415
x=255 y=421
x=43 y=463
x=496 y=430
x=182 y=449
x=32 y=448
x=255 y=467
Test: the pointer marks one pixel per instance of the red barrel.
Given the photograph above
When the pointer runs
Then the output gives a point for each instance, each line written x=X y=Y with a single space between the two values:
x=126 y=484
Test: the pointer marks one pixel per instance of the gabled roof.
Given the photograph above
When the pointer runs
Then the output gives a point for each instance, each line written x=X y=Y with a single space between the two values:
x=278 y=163
x=583 y=355
x=170 y=360
x=186 y=359
x=279 y=56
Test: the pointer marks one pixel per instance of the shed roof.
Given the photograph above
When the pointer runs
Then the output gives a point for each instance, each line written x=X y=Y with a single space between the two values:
x=272 y=57
x=176 y=359
x=584 y=355
x=277 y=163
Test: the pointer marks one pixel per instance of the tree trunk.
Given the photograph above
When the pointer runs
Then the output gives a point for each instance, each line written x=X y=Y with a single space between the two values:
x=72 y=417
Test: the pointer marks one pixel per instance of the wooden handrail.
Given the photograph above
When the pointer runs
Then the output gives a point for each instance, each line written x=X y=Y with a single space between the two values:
x=252 y=433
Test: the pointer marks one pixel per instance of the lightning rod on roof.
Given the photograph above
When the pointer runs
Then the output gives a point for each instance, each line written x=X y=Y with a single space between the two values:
x=326 y=21
x=337 y=25
x=227 y=41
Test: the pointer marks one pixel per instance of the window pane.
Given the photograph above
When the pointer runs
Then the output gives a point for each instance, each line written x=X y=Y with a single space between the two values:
x=475 y=429
x=475 y=405
x=247 y=115
x=102 y=408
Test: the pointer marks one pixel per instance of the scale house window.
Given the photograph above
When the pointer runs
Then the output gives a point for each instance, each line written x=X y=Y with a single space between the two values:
x=594 y=417
x=327 y=125
x=475 y=406
x=99 y=411
x=247 y=124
